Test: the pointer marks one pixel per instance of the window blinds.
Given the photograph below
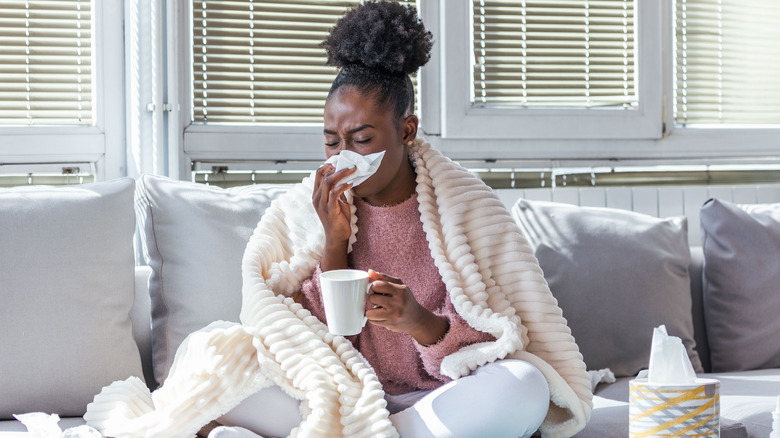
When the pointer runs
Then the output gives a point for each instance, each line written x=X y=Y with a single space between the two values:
x=568 y=53
x=45 y=62
x=260 y=61
x=727 y=62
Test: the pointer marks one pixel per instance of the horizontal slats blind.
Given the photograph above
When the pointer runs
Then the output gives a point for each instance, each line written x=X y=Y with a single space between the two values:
x=569 y=53
x=260 y=61
x=727 y=62
x=45 y=62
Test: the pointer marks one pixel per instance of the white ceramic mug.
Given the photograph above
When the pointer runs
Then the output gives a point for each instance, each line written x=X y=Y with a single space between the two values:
x=344 y=294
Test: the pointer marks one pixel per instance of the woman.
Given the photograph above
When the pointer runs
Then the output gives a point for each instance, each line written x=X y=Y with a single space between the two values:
x=464 y=337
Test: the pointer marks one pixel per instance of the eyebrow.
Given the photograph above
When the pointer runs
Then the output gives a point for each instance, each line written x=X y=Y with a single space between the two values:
x=351 y=131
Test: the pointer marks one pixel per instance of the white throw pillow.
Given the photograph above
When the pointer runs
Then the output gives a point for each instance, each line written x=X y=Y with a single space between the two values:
x=194 y=237
x=67 y=287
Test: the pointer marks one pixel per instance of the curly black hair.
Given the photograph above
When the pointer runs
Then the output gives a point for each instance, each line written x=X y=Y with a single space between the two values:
x=378 y=45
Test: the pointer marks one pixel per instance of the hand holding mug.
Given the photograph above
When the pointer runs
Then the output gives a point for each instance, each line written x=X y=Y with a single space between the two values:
x=393 y=306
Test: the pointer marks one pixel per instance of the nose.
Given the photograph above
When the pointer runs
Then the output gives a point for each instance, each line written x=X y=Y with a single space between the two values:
x=345 y=145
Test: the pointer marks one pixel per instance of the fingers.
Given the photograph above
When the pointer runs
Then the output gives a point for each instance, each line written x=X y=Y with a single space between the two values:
x=383 y=300
x=319 y=175
x=378 y=276
x=325 y=189
x=377 y=316
x=328 y=176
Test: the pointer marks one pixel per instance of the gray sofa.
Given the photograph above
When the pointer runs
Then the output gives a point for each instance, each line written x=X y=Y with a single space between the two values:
x=79 y=313
x=747 y=398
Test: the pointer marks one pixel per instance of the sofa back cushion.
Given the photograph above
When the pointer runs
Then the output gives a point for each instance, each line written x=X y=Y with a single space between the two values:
x=67 y=287
x=616 y=275
x=193 y=237
x=742 y=284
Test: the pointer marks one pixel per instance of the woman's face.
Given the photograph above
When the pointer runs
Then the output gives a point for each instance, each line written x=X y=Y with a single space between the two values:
x=354 y=122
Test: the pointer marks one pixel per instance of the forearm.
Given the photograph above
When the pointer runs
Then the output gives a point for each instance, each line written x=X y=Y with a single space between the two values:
x=430 y=330
x=334 y=256
x=459 y=335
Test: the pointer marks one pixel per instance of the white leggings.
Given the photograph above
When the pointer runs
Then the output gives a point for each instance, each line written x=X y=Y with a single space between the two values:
x=507 y=398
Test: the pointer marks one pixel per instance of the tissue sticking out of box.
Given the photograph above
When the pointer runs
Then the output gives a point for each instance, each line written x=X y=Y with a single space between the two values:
x=669 y=362
x=366 y=165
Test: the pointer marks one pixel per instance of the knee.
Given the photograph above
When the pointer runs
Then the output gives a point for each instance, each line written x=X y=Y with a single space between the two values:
x=522 y=387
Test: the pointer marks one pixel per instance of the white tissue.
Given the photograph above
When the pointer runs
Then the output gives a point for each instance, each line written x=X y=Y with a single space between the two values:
x=40 y=425
x=669 y=362
x=604 y=375
x=81 y=432
x=366 y=165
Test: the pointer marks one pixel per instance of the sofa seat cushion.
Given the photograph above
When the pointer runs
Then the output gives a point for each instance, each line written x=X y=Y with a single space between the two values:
x=609 y=419
x=67 y=288
x=747 y=399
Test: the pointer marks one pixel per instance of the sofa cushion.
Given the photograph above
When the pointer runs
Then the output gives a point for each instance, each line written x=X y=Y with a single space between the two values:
x=747 y=399
x=67 y=287
x=741 y=284
x=193 y=238
x=616 y=275
x=610 y=417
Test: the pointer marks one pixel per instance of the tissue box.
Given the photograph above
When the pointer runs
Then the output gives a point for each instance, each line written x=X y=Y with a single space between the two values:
x=674 y=410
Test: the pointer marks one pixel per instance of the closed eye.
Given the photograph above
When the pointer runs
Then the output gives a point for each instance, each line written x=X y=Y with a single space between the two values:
x=363 y=141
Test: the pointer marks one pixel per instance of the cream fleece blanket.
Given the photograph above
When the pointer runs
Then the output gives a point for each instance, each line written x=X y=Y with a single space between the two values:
x=493 y=279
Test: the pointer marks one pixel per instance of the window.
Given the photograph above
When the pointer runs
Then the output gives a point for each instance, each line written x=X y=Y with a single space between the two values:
x=261 y=61
x=61 y=69
x=46 y=58
x=727 y=62
x=577 y=80
x=529 y=67
x=259 y=77
x=553 y=54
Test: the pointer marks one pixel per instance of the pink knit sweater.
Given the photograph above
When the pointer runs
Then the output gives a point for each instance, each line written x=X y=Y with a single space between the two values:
x=391 y=240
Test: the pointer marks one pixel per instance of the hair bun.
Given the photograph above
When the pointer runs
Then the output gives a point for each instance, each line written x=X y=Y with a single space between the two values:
x=383 y=35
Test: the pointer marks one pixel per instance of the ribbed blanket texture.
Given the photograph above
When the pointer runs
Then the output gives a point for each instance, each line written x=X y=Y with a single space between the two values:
x=493 y=279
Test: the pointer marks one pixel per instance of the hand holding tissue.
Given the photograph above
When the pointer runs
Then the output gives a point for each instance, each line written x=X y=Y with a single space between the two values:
x=366 y=165
x=672 y=401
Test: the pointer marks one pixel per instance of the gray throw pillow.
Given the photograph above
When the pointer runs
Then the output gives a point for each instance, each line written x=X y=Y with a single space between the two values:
x=742 y=284
x=193 y=237
x=67 y=288
x=616 y=275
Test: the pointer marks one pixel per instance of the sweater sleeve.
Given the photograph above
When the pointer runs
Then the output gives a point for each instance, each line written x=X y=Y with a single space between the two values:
x=311 y=297
x=459 y=335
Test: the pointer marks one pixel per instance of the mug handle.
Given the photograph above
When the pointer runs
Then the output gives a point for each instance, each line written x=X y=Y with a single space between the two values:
x=368 y=292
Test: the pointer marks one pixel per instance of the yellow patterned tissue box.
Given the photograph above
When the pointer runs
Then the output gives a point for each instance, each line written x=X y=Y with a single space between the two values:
x=671 y=410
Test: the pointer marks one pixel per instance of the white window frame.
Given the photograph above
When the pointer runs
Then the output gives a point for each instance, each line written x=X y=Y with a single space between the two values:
x=618 y=141
x=692 y=143
x=462 y=120
x=102 y=143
